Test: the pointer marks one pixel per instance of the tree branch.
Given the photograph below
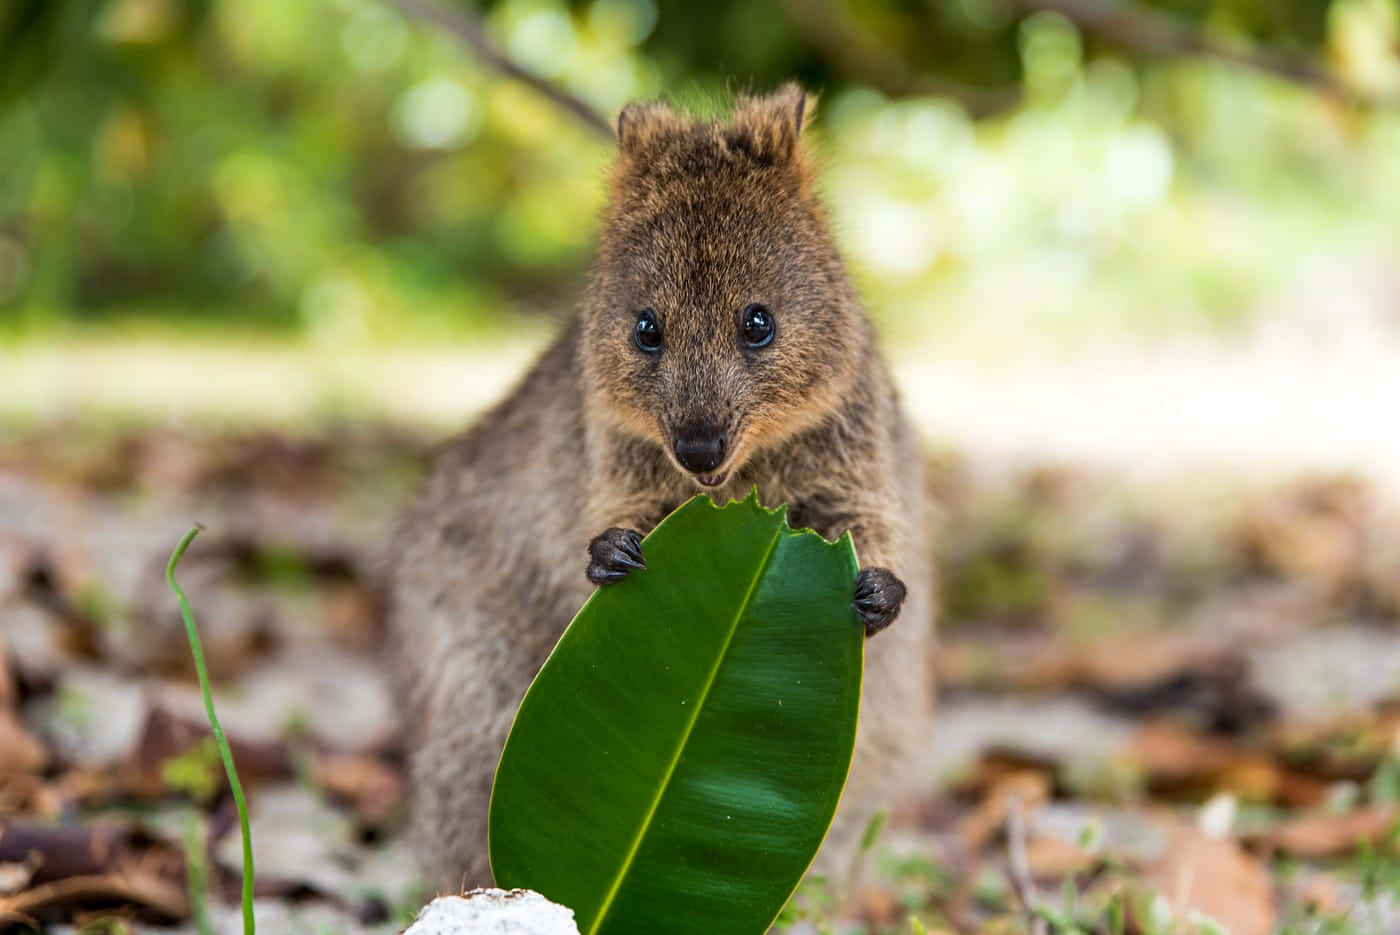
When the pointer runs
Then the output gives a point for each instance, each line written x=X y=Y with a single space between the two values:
x=1154 y=32
x=469 y=31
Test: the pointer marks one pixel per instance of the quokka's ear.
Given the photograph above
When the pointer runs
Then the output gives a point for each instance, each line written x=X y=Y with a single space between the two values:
x=642 y=122
x=768 y=126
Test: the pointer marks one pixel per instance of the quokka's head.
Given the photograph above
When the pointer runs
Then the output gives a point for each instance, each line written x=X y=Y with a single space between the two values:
x=720 y=321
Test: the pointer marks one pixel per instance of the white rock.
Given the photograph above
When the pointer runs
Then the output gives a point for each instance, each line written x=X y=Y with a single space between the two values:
x=494 y=912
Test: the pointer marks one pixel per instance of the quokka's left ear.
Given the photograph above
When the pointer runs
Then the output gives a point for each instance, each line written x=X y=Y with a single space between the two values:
x=767 y=127
x=642 y=123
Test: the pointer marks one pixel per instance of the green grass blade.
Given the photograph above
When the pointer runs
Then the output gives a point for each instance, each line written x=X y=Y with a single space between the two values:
x=197 y=650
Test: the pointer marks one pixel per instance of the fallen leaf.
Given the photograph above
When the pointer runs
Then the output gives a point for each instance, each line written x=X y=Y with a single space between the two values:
x=1053 y=858
x=27 y=793
x=60 y=851
x=1312 y=532
x=20 y=751
x=371 y=788
x=1217 y=878
x=1121 y=664
x=1029 y=789
x=73 y=867
x=878 y=908
x=1348 y=745
x=1316 y=836
x=1178 y=763
x=353 y=617
x=151 y=770
x=9 y=690
x=156 y=895
x=166 y=735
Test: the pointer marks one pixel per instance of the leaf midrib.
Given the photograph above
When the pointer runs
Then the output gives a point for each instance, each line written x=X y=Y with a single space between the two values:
x=685 y=737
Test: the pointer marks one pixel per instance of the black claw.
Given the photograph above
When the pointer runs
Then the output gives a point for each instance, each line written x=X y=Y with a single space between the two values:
x=614 y=554
x=630 y=548
x=877 y=599
x=600 y=575
x=625 y=559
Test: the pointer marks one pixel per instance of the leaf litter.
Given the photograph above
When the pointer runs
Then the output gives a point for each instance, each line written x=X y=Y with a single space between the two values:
x=1112 y=668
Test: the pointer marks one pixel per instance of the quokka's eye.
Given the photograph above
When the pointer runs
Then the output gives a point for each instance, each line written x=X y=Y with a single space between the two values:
x=757 y=326
x=647 y=334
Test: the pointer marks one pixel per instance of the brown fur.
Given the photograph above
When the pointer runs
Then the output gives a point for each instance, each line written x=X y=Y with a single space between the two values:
x=488 y=562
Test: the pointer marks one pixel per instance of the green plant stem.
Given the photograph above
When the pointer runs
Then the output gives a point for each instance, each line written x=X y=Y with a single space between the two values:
x=197 y=877
x=197 y=650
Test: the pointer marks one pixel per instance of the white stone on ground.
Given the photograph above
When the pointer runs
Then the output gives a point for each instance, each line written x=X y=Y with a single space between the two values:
x=494 y=912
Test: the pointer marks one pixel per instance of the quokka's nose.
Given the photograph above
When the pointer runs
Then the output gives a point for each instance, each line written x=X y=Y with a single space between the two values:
x=699 y=449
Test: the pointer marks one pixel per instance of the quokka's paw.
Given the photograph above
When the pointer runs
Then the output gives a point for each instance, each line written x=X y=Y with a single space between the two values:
x=879 y=595
x=613 y=555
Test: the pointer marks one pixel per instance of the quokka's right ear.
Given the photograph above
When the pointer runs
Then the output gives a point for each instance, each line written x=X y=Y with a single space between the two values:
x=767 y=127
x=641 y=123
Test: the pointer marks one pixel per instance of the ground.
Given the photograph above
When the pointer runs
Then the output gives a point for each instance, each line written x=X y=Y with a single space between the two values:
x=1172 y=682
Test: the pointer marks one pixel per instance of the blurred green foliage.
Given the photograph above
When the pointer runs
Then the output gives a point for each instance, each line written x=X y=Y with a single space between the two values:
x=333 y=170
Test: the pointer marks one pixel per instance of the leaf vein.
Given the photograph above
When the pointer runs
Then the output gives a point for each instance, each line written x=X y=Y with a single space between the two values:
x=685 y=735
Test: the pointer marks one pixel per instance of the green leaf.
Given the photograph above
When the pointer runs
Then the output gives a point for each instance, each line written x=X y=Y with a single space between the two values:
x=678 y=759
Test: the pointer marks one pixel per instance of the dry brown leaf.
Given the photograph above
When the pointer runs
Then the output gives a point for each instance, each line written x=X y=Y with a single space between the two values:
x=155 y=894
x=1118 y=664
x=73 y=867
x=60 y=851
x=370 y=787
x=1177 y=762
x=9 y=690
x=1349 y=745
x=1313 y=532
x=878 y=908
x=999 y=762
x=140 y=772
x=20 y=751
x=1316 y=836
x=1053 y=858
x=1029 y=788
x=353 y=617
x=27 y=793
x=165 y=734
x=1217 y=878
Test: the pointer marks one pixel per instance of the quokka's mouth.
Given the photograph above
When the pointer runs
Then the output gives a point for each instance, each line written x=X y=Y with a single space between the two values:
x=714 y=467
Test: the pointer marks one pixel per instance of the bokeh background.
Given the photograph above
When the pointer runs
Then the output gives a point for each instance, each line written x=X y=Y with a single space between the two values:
x=349 y=197
x=1136 y=265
